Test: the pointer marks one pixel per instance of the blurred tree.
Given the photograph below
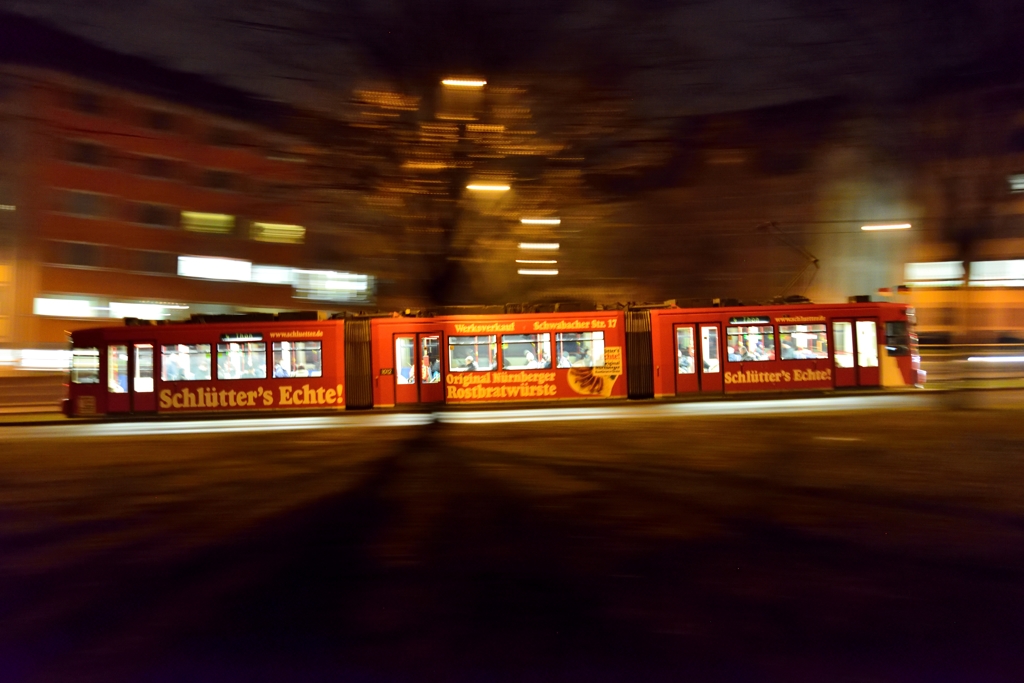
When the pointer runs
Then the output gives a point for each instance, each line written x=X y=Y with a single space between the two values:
x=399 y=153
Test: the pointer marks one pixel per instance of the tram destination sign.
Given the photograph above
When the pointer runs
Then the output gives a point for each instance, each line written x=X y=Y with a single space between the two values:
x=241 y=337
x=751 y=320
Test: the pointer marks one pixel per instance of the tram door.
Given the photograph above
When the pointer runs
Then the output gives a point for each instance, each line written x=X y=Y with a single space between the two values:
x=418 y=368
x=141 y=367
x=118 y=398
x=855 y=344
x=709 y=369
x=687 y=380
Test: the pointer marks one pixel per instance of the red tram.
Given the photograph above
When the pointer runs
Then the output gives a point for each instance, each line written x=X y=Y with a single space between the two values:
x=367 y=362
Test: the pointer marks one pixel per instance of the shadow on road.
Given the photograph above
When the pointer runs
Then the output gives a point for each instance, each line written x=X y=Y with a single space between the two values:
x=458 y=556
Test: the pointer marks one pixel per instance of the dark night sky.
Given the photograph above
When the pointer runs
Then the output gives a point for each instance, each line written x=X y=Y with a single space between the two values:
x=675 y=57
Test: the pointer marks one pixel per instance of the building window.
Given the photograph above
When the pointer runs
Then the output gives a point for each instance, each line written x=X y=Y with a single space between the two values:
x=79 y=254
x=156 y=167
x=278 y=232
x=220 y=180
x=87 y=204
x=63 y=308
x=279 y=191
x=87 y=102
x=160 y=120
x=88 y=153
x=1016 y=141
x=157 y=215
x=209 y=223
x=159 y=262
x=222 y=137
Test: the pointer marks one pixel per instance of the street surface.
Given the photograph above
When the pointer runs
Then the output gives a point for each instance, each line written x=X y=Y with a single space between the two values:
x=878 y=542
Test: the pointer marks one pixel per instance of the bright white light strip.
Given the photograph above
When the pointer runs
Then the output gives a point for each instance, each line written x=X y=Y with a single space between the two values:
x=463 y=83
x=540 y=221
x=534 y=271
x=63 y=308
x=478 y=187
x=45 y=359
x=273 y=275
x=540 y=261
x=214 y=268
x=934 y=271
x=892 y=226
x=551 y=246
x=120 y=309
x=996 y=359
x=71 y=430
x=997 y=272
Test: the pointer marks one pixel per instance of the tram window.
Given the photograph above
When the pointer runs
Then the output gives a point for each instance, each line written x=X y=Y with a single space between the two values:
x=185 y=363
x=842 y=335
x=867 y=344
x=298 y=359
x=684 y=350
x=405 y=365
x=430 y=359
x=709 y=349
x=800 y=342
x=751 y=343
x=473 y=354
x=142 y=383
x=897 y=340
x=526 y=351
x=85 y=365
x=580 y=349
x=117 y=369
x=242 y=360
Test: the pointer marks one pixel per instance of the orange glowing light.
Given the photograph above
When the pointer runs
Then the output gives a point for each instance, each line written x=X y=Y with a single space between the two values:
x=463 y=83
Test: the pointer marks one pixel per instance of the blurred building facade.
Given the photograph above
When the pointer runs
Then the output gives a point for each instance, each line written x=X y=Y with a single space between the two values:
x=966 y=279
x=764 y=204
x=127 y=190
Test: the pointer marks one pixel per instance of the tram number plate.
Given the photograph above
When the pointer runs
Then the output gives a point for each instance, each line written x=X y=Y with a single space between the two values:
x=86 y=405
x=387 y=371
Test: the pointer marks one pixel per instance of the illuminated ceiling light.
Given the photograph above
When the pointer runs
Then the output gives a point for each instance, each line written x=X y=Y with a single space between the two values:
x=536 y=271
x=996 y=359
x=7 y=207
x=888 y=226
x=463 y=83
x=487 y=187
x=540 y=221
x=543 y=261
x=551 y=246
